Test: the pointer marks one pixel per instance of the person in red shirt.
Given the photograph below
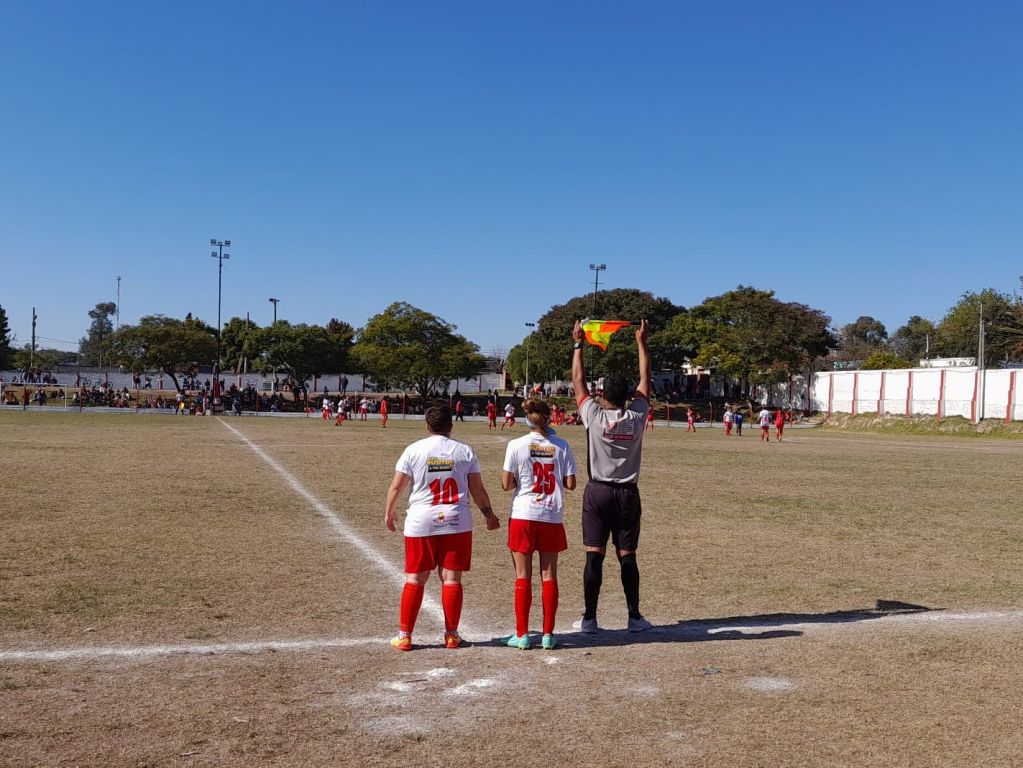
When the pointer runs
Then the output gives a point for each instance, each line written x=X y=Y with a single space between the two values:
x=650 y=420
x=491 y=415
x=458 y=411
x=779 y=424
x=383 y=412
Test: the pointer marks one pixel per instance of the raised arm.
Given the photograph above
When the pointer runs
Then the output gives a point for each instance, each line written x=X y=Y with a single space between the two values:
x=578 y=372
x=643 y=388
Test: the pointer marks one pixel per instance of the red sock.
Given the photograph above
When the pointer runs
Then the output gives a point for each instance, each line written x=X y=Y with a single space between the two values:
x=523 y=602
x=550 y=604
x=451 y=599
x=411 y=599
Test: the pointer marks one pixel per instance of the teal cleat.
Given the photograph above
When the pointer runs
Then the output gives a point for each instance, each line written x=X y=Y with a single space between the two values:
x=548 y=643
x=518 y=641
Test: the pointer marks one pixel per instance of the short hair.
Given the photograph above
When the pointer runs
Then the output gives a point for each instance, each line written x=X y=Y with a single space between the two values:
x=438 y=419
x=616 y=389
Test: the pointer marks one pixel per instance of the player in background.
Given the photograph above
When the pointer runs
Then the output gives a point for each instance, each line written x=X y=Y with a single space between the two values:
x=611 y=502
x=690 y=420
x=764 y=420
x=383 y=412
x=737 y=418
x=537 y=466
x=459 y=411
x=364 y=409
x=491 y=415
x=779 y=424
x=325 y=408
x=728 y=419
x=509 y=416
x=650 y=420
x=441 y=474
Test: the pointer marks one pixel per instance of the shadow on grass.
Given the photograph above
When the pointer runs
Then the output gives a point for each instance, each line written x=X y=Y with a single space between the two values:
x=767 y=626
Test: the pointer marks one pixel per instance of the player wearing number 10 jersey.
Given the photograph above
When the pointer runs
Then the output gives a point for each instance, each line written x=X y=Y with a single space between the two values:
x=537 y=465
x=442 y=473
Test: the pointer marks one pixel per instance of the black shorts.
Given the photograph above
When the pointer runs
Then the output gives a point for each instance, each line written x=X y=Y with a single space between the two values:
x=611 y=509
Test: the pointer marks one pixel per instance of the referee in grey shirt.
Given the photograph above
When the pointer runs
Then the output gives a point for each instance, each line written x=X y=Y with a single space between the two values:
x=611 y=505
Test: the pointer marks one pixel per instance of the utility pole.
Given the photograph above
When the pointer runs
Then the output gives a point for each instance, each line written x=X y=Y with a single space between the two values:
x=32 y=353
x=117 y=310
x=597 y=269
x=981 y=368
x=275 y=302
x=529 y=338
x=220 y=256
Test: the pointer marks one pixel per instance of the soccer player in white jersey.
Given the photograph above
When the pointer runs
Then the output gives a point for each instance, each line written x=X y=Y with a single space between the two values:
x=537 y=466
x=442 y=473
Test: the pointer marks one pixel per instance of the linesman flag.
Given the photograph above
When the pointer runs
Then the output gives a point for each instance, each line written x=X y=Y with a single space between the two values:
x=599 y=332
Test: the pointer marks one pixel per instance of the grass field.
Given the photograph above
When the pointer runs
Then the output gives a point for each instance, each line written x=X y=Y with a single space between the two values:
x=207 y=592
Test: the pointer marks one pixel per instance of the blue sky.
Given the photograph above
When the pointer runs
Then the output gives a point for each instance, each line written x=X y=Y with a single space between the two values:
x=474 y=158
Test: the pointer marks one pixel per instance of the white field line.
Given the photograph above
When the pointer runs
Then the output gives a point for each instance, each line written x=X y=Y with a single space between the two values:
x=345 y=531
x=87 y=653
x=185 y=649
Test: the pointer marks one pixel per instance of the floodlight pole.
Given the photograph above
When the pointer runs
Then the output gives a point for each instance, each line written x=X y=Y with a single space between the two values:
x=219 y=255
x=981 y=368
x=597 y=269
x=529 y=337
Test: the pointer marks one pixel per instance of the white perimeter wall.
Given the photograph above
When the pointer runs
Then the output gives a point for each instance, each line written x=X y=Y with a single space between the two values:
x=917 y=391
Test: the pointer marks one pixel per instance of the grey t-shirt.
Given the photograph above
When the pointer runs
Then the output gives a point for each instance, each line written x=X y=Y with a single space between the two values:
x=614 y=439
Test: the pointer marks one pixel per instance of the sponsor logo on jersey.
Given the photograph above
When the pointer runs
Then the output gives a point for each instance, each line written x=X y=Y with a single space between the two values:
x=440 y=464
x=538 y=451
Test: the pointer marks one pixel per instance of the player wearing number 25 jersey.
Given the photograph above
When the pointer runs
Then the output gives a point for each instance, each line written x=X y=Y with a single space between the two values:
x=441 y=474
x=537 y=466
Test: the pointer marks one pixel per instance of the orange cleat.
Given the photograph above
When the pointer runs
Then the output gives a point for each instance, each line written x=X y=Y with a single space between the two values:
x=402 y=642
x=453 y=640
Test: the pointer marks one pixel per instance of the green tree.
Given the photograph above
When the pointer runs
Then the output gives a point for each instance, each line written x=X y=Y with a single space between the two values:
x=911 y=340
x=883 y=359
x=405 y=346
x=550 y=348
x=862 y=337
x=958 y=332
x=166 y=344
x=5 y=341
x=302 y=351
x=238 y=342
x=44 y=359
x=93 y=348
x=749 y=335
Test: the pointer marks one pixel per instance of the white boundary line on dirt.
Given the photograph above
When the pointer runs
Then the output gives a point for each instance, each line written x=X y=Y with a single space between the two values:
x=85 y=653
x=185 y=649
x=345 y=531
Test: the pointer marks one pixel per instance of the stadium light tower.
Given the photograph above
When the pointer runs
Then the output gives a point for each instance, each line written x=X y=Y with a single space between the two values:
x=597 y=269
x=529 y=336
x=275 y=302
x=219 y=255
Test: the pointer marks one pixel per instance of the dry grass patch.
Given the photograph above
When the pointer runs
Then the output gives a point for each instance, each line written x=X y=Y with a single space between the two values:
x=172 y=530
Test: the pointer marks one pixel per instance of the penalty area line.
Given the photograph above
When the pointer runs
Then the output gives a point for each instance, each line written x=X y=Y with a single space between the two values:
x=86 y=653
x=345 y=531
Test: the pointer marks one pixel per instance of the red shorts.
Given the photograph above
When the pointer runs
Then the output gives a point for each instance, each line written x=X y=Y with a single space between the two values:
x=425 y=553
x=529 y=536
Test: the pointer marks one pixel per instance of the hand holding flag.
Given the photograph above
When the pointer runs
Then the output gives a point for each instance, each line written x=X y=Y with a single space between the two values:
x=599 y=332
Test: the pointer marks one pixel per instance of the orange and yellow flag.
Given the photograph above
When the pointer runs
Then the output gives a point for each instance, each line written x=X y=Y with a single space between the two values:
x=599 y=332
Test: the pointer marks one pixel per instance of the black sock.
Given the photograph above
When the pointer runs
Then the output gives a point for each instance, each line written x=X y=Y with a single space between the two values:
x=630 y=583
x=593 y=575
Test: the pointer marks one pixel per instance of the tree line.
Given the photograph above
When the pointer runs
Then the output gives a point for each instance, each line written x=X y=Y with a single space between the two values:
x=747 y=334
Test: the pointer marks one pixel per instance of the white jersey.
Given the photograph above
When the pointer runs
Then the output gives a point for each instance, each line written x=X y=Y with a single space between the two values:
x=509 y=411
x=764 y=417
x=540 y=465
x=438 y=502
